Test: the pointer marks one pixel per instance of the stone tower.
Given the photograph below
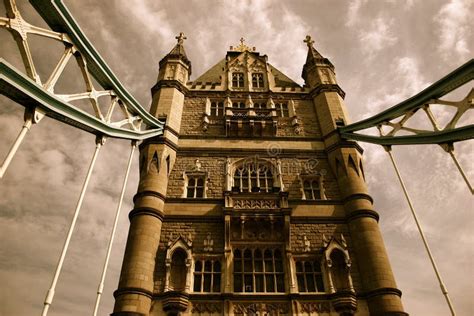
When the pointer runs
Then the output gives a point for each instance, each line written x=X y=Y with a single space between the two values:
x=250 y=203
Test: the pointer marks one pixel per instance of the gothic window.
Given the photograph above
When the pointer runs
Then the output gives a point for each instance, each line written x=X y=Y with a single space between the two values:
x=253 y=178
x=309 y=276
x=258 y=271
x=282 y=109
x=178 y=270
x=257 y=80
x=238 y=80
x=238 y=104
x=340 y=274
x=195 y=187
x=312 y=189
x=217 y=108
x=207 y=276
x=260 y=105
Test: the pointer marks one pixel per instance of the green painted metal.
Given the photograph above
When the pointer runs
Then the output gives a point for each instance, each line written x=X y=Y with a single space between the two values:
x=455 y=79
x=59 y=19
x=442 y=137
x=20 y=88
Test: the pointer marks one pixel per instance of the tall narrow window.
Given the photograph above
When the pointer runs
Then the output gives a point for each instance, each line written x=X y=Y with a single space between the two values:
x=282 y=109
x=312 y=189
x=257 y=271
x=178 y=270
x=257 y=80
x=309 y=276
x=207 y=276
x=217 y=108
x=195 y=187
x=238 y=80
x=253 y=178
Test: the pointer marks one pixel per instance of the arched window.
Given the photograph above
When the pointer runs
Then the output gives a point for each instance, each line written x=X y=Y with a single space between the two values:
x=238 y=80
x=258 y=271
x=257 y=80
x=309 y=276
x=207 y=276
x=253 y=178
x=312 y=189
x=178 y=270
x=340 y=273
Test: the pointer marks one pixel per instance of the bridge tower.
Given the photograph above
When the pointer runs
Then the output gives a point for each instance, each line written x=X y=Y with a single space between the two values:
x=251 y=203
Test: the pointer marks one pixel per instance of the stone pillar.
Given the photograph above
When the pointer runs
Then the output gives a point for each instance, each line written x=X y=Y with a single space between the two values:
x=135 y=290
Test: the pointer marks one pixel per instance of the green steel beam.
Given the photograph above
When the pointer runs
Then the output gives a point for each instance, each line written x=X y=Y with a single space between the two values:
x=455 y=79
x=448 y=136
x=21 y=89
x=59 y=19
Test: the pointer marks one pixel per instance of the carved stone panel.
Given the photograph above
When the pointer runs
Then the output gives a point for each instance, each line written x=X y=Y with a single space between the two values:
x=315 y=307
x=261 y=309
x=207 y=308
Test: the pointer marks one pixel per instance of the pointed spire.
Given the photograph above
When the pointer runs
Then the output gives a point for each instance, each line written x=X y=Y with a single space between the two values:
x=178 y=52
x=312 y=52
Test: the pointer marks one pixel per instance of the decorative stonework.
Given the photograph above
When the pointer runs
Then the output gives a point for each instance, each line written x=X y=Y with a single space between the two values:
x=252 y=308
x=255 y=204
x=315 y=307
x=208 y=243
x=207 y=307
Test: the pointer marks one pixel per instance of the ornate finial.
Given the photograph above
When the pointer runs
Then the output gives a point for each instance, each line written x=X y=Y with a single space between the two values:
x=242 y=47
x=181 y=38
x=308 y=41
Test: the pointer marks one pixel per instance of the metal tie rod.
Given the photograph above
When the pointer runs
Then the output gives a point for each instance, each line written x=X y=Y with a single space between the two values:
x=112 y=234
x=32 y=116
x=444 y=290
x=100 y=140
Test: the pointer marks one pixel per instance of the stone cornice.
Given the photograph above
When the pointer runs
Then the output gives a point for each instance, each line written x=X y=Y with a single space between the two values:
x=132 y=290
x=146 y=211
x=327 y=88
x=169 y=84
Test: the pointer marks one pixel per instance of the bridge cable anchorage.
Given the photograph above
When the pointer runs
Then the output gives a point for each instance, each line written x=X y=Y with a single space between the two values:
x=444 y=290
x=100 y=141
x=114 y=228
x=32 y=116
x=449 y=148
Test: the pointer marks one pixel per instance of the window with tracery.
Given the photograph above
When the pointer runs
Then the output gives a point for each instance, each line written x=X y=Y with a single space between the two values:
x=312 y=189
x=238 y=80
x=238 y=104
x=207 y=276
x=253 y=178
x=309 y=276
x=282 y=109
x=260 y=105
x=217 y=108
x=195 y=187
x=257 y=80
x=258 y=271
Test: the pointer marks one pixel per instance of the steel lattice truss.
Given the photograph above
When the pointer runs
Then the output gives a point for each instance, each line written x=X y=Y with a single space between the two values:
x=131 y=122
x=396 y=119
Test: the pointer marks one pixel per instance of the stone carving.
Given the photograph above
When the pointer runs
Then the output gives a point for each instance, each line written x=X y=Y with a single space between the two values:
x=316 y=307
x=255 y=204
x=252 y=308
x=206 y=308
x=306 y=244
x=208 y=243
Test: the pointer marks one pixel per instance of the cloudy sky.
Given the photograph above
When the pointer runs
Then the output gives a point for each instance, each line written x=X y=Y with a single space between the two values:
x=384 y=52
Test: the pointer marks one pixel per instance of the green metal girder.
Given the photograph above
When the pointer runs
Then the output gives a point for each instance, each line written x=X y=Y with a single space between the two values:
x=455 y=79
x=59 y=19
x=449 y=136
x=20 y=88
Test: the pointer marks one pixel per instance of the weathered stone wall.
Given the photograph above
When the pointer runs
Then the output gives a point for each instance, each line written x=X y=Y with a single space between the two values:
x=196 y=231
x=194 y=108
x=215 y=167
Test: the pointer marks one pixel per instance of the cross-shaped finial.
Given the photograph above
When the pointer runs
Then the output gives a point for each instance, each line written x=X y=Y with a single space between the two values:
x=242 y=40
x=308 y=41
x=181 y=38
